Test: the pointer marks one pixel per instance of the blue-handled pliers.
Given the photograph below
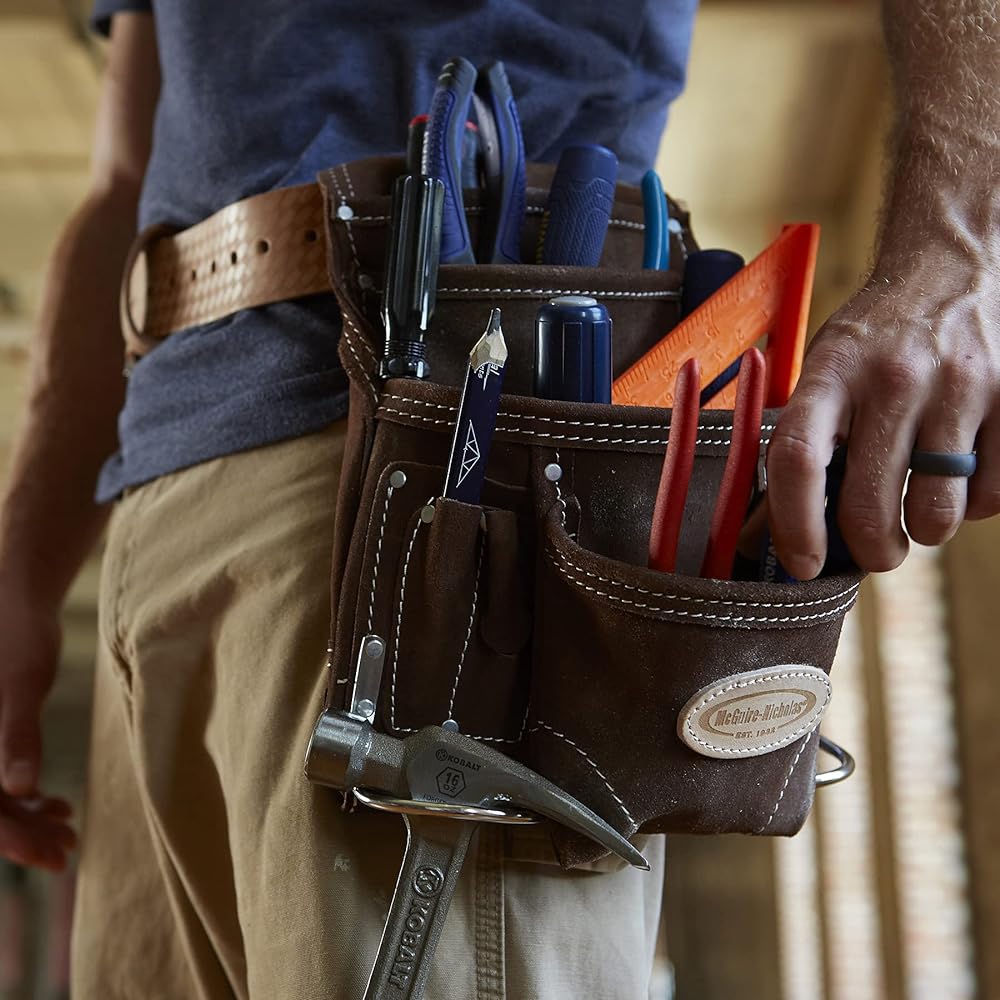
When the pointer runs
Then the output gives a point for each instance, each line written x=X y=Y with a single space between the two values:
x=459 y=87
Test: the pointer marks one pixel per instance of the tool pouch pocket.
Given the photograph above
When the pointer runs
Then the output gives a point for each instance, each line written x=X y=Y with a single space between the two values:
x=664 y=702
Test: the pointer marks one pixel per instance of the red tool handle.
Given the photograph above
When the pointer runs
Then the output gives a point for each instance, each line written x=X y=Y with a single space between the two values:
x=677 y=465
x=741 y=465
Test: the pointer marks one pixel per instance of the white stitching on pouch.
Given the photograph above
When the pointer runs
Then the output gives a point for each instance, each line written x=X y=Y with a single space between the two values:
x=674 y=613
x=346 y=222
x=703 y=600
x=518 y=429
x=530 y=210
x=560 y=499
x=378 y=556
x=601 y=294
x=570 y=423
x=787 y=675
x=485 y=739
x=468 y=631
x=399 y=623
x=784 y=787
x=501 y=739
x=347 y=176
x=583 y=754
x=349 y=340
x=395 y=653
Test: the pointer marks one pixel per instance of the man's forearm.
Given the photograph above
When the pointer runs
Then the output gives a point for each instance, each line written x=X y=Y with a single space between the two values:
x=912 y=361
x=944 y=194
x=48 y=520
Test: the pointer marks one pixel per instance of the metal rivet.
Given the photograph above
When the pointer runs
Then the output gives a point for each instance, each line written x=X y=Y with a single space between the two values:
x=374 y=648
x=345 y=212
x=553 y=472
x=427 y=514
x=397 y=479
x=450 y=726
x=366 y=282
x=675 y=226
x=366 y=707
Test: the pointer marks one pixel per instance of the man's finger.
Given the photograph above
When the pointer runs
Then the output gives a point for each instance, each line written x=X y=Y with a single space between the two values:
x=44 y=847
x=799 y=452
x=935 y=505
x=878 y=457
x=984 y=487
x=20 y=740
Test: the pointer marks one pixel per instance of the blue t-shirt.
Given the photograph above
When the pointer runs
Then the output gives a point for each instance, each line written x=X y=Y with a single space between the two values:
x=261 y=94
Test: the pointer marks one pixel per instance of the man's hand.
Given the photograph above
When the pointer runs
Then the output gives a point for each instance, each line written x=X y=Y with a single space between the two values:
x=913 y=360
x=910 y=362
x=33 y=829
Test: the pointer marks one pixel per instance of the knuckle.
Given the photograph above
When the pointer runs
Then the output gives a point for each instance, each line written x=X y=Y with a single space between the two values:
x=792 y=453
x=959 y=377
x=933 y=518
x=865 y=527
x=872 y=540
x=897 y=376
x=832 y=363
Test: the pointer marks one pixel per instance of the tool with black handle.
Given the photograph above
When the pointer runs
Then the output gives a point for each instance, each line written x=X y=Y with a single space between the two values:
x=411 y=274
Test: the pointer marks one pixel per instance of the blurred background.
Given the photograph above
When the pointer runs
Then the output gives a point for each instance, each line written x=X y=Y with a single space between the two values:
x=892 y=891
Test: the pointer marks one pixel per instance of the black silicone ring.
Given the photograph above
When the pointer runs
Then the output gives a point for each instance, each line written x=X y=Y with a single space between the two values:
x=942 y=463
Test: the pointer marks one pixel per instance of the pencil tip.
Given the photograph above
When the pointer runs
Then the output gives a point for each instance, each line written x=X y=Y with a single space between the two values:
x=494 y=324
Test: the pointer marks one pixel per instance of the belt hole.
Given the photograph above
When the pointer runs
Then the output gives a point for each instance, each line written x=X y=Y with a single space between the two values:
x=194 y=274
x=212 y=267
x=263 y=246
x=233 y=257
x=311 y=236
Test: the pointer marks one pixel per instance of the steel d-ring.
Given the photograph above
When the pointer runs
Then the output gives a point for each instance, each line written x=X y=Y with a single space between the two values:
x=836 y=774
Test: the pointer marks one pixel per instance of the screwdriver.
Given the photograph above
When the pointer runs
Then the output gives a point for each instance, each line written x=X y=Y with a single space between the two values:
x=411 y=270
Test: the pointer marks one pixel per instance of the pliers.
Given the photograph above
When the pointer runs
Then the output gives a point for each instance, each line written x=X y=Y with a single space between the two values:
x=737 y=479
x=459 y=87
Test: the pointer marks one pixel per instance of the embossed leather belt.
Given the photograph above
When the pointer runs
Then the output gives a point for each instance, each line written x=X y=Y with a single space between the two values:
x=263 y=249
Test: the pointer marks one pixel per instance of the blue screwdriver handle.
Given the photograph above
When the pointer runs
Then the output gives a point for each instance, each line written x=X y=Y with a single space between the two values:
x=503 y=149
x=656 y=245
x=579 y=206
x=442 y=157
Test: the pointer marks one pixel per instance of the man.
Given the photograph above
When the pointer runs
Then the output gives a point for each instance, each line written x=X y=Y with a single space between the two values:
x=210 y=867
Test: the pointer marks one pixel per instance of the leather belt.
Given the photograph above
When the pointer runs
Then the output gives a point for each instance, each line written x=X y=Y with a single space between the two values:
x=263 y=249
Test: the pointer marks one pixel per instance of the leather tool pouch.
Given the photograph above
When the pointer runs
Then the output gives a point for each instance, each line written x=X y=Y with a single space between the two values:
x=532 y=619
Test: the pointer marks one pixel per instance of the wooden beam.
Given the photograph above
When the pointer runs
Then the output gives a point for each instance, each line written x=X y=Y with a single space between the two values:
x=721 y=917
x=973 y=571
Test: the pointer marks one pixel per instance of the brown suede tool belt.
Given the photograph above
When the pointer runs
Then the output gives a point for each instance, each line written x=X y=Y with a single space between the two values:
x=663 y=701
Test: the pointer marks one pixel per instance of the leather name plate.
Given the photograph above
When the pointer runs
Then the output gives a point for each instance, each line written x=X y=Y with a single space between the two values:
x=753 y=713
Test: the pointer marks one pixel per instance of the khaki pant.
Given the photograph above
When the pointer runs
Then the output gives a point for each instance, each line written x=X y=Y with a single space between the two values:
x=210 y=867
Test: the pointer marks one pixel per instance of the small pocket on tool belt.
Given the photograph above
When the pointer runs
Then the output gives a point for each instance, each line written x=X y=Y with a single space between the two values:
x=459 y=623
x=625 y=649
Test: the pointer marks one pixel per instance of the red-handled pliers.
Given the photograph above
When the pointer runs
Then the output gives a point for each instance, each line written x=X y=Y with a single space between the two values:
x=737 y=479
x=741 y=467
x=677 y=465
